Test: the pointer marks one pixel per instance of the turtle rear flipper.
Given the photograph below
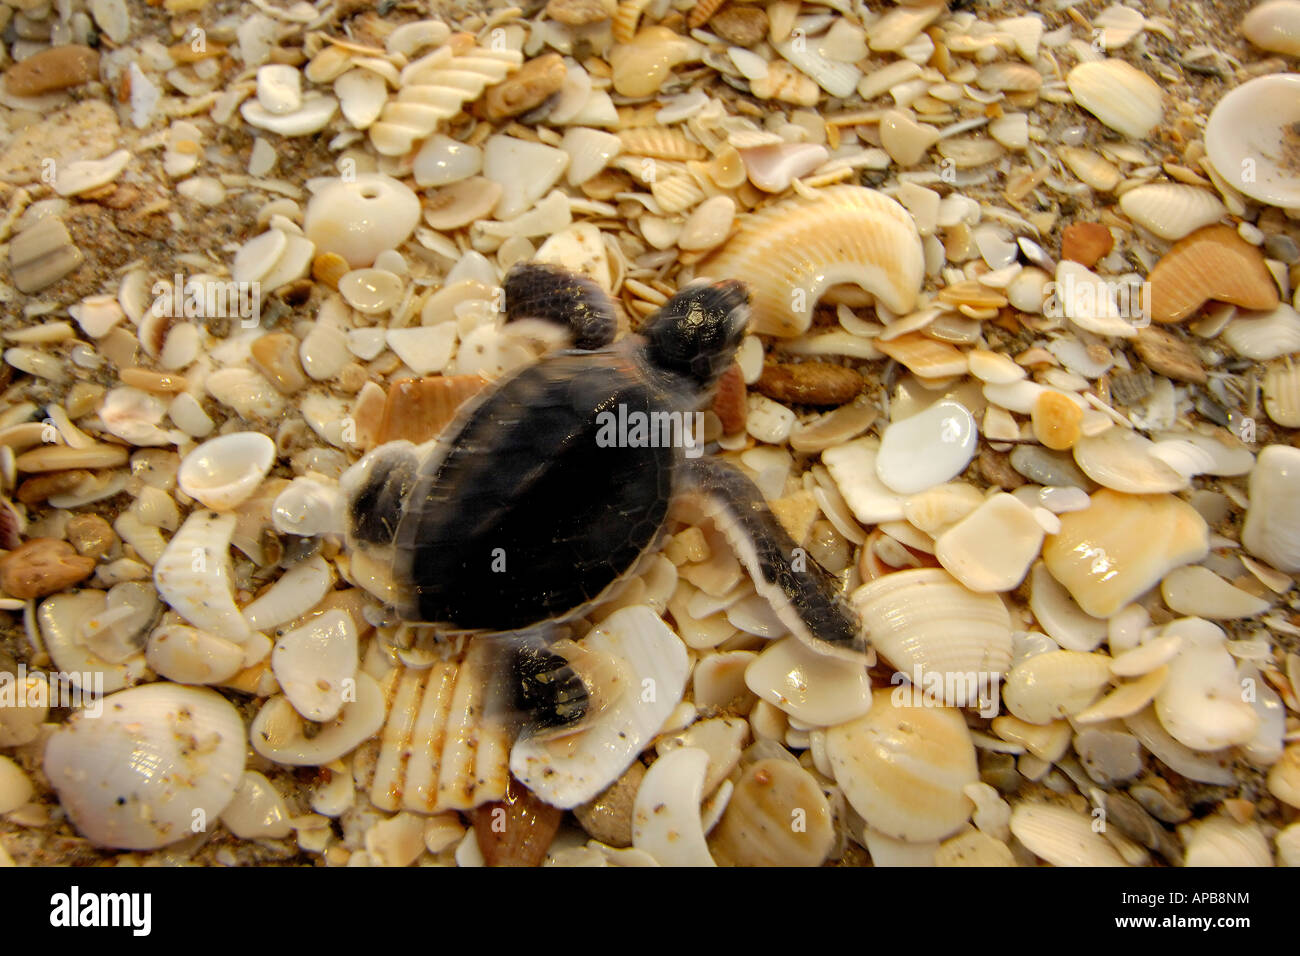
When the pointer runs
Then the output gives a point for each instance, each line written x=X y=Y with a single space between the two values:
x=536 y=290
x=803 y=594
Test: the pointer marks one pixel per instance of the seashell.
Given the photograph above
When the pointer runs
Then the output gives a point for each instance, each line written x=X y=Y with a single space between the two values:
x=52 y=69
x=222 y=473
x=904 y=139
x=409 y=38
x=1213 y=767
x=1201 y=704
x=853 y=468
x=922 y=355
x=790 y=253
x=1008 y=76
x=813 y=688
x=1123 y=460
x=783 y=82
x=257 y=811
x=1211 y=263
x=41 y=254
x=1055 y=684
x=1106 y=555
x=1282 y=394
x=84 y=175
x=1121 y=96
x=434 y=88
x=758 y=827
x=708 y=225
x=189 y=656
x=923 y=621
x=63 y=620
x=1196 y=591
x=666 y=814
x=443 y=160
x=903 y=768
x=277 y=732
x=1219 y=841
x=642 y=63
x=901 y=25
x=1126 y=699
x=525 y=171
x=626 y=16
x=589 y=150
x=361 y=95
x=193 y=575
x=659 y=142
x=314 y=664
x=527 y=88
x=835 y=77
x=1274 y=26
x=425 y=349
x=1250 y=134
x=992 y=548
x=311 y=116
x=360 y=218
x=973 y=848
x=462 y=203
x=1284 y=777
x=1091 y=302
x=279 y=88
x=1271 y=531
x=927 y=449
x=833 y=428
x=1060 y=617
x=773 y=168
x=722 y=738
x=1172 y=210
x=1061 y=836
x=1264 y=335
x=515 y=831
x=574 y=769
x=137 y=776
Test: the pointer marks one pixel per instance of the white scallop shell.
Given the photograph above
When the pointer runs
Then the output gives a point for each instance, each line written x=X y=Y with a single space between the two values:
x=315 y=664
x=1220 y=841
x=1172 y=210
x=1246 y=135
x=193 y=575
x=666 y=812
x=159 y=759
x=790 y=253
x=924 y=621
x=903 y=768
x=571 y=770
x=223 y=472
x=1264 y=335
x=1061 y=836
x=63 y=619
x=1120 y=95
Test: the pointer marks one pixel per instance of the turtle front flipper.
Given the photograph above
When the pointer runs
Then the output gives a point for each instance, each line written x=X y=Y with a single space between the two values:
x=803 y=594
x=536 y=290
x=544 y=687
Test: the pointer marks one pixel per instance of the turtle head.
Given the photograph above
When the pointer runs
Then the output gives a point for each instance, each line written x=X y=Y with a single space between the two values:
x=696 y=333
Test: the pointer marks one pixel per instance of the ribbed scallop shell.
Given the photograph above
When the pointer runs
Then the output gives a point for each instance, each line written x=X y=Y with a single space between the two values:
x=193 y=575
x=799 y=248
x=626 y=17
x=1120 y=95
x=1061 y=836
x=756 y=828
x=1266 y=335
x=661 y=143
x=1172 y=210
x=925 y=619
x=1220 y=841
x=1282 y=394
x=436 y=753
x=1211 y=263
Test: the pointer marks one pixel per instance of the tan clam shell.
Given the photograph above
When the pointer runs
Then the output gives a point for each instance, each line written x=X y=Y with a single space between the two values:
x=759 y=825
x=1061 y=836
x=1120 y=95
x=1211 y=263
x=1172 y=210
x=1220 y=841
x=799 y=248
x=924 y=619
x=903 y=768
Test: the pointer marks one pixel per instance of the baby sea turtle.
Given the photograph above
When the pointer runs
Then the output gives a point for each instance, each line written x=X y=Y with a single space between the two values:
x=539 y=499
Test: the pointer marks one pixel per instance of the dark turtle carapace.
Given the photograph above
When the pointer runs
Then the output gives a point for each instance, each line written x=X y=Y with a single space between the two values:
x=539 y=499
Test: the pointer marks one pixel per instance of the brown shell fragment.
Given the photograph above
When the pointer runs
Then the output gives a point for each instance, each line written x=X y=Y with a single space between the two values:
x=39 y=488
x=418 y=409
x=777 y=816
x=276 y=356
x=1211 y=263
x=1086 y=242
x=607 y=817
x=42 y=566
x=578 y=13
x=810 y=383
x=729 y=400
x=1168 y=355
x=527 y=88
x=54 y=69
x=516 y=831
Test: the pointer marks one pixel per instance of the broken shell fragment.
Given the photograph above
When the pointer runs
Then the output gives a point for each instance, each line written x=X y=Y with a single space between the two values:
x=1201 y=704
x=1272 y=528
x=361 y=218
x=193 y=575
x=759 y=825
x=1120 y=95
x=1211 y=263
x=314 y=663
x=792 y=252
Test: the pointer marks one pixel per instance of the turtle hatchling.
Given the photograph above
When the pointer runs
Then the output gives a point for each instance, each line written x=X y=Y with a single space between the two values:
x=539 y=499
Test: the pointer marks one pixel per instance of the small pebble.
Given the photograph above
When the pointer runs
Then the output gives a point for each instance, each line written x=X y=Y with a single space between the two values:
x=91 y=535
x=740 y=24
x=1168 y=355
x=43 y=566
x=1086 y=242
x=57 y=68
